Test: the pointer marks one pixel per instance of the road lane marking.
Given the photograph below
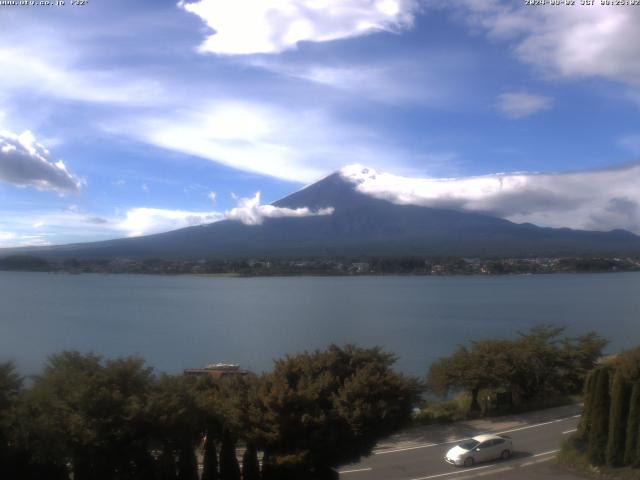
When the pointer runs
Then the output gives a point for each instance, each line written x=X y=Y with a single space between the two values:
x=539 y=424
x=427 y=445
x=355 y=470
x=466 y=472
x=570 y=431
x=404 y=449
x=546 y=453
x=533 y=462
x=453 y=473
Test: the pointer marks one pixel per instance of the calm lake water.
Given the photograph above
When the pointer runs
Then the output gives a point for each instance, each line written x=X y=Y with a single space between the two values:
x=187 y=321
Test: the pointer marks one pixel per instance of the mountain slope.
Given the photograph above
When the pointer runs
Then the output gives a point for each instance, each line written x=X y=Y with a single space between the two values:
x=360 y=226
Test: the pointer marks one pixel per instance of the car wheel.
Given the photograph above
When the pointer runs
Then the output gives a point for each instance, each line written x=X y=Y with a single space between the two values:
x=505 y=455
x=468 y=462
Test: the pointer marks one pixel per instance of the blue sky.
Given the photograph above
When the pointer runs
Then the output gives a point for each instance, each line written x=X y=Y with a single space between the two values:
x=125 y=118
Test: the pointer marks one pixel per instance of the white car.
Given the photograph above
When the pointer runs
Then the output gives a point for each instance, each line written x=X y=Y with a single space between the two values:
x=480 y=449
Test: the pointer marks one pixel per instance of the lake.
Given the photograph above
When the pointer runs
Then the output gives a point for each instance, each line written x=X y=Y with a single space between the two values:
x=178 y=322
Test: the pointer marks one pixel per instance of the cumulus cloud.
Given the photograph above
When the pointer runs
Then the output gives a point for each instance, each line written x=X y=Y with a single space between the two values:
x=518 y=105
x=26 y=163
x=272 y=26
x=589 y=41
x=250 y=212
x=594 y=200
x=72 y=224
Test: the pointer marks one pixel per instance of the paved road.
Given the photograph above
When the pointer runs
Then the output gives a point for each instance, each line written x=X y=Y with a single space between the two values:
x=418 y=454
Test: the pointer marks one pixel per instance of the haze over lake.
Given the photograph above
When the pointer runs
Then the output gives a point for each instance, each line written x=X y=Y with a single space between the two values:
x=177 y=322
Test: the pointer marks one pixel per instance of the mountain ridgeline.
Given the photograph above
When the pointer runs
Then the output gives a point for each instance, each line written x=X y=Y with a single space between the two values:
x=360 y=226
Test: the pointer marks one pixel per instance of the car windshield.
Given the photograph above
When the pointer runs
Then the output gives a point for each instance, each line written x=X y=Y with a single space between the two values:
x=469 y=444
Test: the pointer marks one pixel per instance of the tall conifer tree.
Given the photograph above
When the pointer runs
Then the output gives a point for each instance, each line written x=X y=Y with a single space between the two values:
x=600 y=418
x=618 y=417
x=632 y=444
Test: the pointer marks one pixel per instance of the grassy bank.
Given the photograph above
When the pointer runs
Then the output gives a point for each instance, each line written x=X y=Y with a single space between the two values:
x=573 y=457
x=459 y=408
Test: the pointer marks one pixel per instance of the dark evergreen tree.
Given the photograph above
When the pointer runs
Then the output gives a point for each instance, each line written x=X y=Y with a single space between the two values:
x=250 y=465
x=267 y=466
x=229 y=467
x=210 y=467
x=167 y=469
x=600 y=418
x=10 y=386
x=618 y=418
x=632 y=443
x=187 y=463
x=587 y=410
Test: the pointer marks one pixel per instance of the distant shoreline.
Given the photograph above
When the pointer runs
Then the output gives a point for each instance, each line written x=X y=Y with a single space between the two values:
x=327 y=268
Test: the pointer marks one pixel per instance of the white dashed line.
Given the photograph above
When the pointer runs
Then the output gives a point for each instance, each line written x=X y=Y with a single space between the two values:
x=466 y=472
x=453 y=473
x=427 y=445
x=356 y=470
x=546 y=453
x=570 y=431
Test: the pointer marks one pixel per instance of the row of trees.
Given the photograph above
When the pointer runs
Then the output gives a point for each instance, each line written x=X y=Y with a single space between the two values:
x=538 y=364
x=98 y=419
x=610 y=423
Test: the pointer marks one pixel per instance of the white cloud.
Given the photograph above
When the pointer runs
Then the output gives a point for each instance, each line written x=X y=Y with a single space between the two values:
x=272 y=26
x=518 y=105
x=250 y=212
x=73 y=224
x=573 y=42
x=596 y=200
x=212 y=196
x=145 y=221
x=631 y=143
x=298 y=146
x=388 y=80
x=26 y=163
x=12 y=239
x=58 y=76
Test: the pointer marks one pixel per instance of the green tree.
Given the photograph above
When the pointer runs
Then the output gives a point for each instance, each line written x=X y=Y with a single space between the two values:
x=632 y=442
x=628 y=364
x=330 y=407
x=187 y=462
x=250 y=465
x=536 y=364
x=10 y=388
x=587 y=410
x=600 y=417
x=470 y=370
x=579 y=357
x=229 y=467
x=618 y=419
x=210 y=460
x=89 y=413
x=177 y=422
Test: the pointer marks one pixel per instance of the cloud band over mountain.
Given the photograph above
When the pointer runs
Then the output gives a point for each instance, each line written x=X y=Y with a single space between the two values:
x=593 y=200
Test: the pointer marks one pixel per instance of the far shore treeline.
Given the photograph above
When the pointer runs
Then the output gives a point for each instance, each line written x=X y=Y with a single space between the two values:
x=409 y=265
x=84 y=417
